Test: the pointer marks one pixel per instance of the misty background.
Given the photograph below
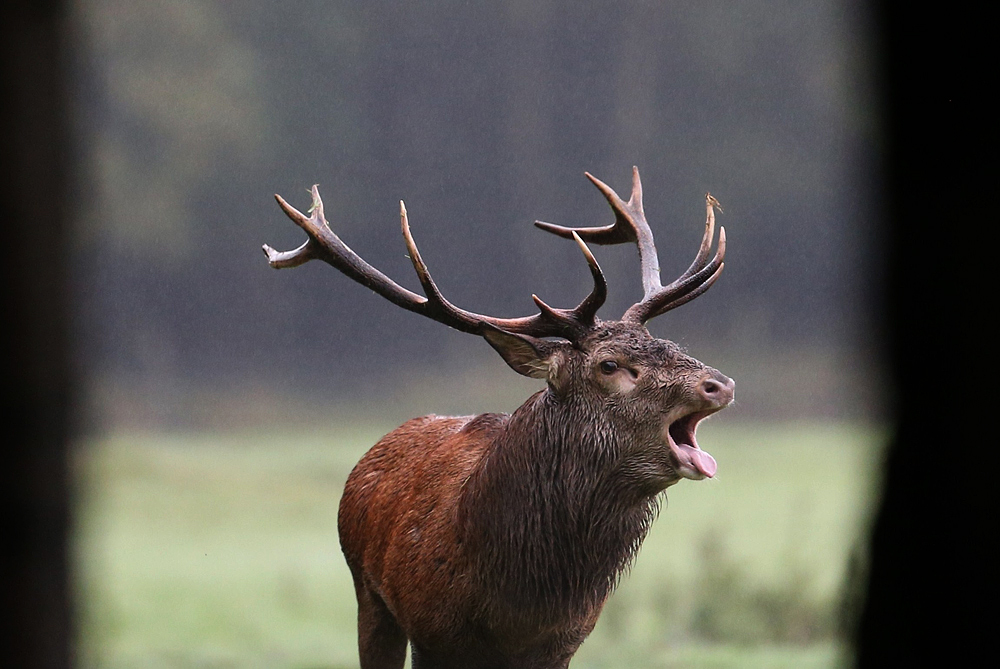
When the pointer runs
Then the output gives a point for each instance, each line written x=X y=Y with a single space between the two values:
x=483 y=118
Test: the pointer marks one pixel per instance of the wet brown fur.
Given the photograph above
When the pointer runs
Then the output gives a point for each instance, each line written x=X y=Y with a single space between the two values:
x=493 y=541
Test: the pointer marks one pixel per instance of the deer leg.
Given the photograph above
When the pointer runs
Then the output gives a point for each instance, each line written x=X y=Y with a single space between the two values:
x=381 y=641
x=420 y=659
x=417 y=659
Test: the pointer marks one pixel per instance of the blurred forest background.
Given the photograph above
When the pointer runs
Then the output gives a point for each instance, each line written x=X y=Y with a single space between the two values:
x=199 y=359
x=483 y=118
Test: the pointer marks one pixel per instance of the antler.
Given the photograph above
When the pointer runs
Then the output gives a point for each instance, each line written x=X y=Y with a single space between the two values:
x=324 y=245
x=630 y=226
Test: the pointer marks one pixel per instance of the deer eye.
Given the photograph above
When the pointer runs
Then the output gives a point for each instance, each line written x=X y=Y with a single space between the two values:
x=609 y=366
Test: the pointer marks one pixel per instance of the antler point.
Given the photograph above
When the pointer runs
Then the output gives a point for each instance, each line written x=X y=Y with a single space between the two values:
x=712 y=202
x=583 y=247
x=543 y=306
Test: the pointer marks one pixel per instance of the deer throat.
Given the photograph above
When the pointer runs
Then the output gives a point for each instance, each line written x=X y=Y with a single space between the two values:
x=690 y=461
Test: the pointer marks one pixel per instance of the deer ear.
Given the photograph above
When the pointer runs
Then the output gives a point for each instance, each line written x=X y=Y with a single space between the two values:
x=527 y=356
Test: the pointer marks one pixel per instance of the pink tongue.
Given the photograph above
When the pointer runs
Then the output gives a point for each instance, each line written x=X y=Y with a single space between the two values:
x=702 y=461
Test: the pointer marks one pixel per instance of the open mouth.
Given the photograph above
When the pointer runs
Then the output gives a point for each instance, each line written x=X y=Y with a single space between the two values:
x=690 y=461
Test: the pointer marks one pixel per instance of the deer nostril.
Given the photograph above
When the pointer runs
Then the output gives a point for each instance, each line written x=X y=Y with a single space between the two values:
x=716 y=389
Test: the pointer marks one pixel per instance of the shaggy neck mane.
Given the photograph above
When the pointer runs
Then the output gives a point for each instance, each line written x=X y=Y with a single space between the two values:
x=552 y=518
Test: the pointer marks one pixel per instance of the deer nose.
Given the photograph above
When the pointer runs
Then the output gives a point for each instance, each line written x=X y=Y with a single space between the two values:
x=717 y=387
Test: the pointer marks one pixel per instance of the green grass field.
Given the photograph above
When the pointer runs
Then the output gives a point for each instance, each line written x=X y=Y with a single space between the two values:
x=220 y=550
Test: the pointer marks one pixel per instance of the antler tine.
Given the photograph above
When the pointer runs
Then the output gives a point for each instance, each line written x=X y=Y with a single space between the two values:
x=698 y=290
x=701 y=274
x=434 y=295
x=324 y=245
x=630 y=226
x=587 y=310
x=687 y=287
x=585 y=314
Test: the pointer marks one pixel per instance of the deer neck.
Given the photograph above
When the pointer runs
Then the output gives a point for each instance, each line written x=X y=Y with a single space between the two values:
x=548 y=510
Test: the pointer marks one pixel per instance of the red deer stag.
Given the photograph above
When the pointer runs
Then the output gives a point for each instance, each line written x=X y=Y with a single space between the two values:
x=494 y=540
